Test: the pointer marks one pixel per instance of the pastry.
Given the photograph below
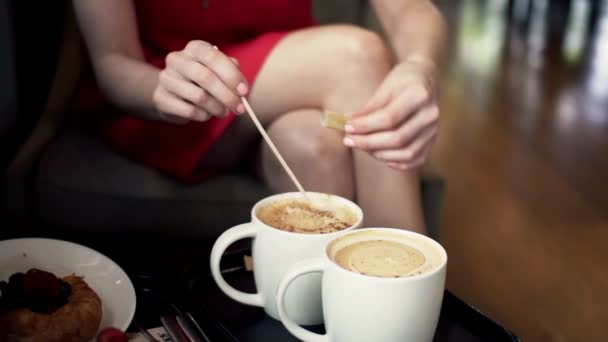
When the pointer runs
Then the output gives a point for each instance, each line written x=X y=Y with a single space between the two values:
x=38 y=307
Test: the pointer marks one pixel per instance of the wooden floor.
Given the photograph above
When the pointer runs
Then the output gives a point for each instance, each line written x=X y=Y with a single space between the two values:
x=524 y=150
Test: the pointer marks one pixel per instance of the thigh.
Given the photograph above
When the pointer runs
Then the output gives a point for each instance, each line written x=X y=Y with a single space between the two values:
x=304 y=71
x=309 y=68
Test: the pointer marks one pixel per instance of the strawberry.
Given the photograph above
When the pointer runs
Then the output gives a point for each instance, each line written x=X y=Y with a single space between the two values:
x=111 y=335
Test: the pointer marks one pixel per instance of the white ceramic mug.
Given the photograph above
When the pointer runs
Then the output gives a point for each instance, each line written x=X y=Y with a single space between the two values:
x=362 y=308
x=273 y=252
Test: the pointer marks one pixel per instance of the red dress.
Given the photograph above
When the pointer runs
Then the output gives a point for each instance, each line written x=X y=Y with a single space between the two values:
x=244 y=29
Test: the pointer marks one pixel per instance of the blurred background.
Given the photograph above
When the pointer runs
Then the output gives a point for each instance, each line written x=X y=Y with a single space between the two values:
x=522 y=152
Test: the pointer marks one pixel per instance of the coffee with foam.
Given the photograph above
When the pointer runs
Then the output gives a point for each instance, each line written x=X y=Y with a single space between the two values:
x=385 y=255
x=313 y=216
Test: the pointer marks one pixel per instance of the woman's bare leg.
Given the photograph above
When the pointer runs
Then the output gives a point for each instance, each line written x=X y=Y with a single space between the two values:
x=334 y=67
x=316 y=155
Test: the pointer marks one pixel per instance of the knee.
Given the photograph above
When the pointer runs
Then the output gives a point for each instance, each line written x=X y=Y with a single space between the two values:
x=327 y=156
x=319 y=150
x=328 y=162
x=317 y=155
x=360 y=50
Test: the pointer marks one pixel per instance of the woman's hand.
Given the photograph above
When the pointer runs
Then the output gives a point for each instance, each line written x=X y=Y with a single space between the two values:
x=197 y=83
x=398 y=125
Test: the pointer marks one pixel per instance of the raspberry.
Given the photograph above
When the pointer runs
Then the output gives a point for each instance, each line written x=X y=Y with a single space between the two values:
x=41 y=285
x=111 y=335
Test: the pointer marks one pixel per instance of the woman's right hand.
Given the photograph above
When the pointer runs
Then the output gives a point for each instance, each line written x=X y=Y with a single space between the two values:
x=199 y=82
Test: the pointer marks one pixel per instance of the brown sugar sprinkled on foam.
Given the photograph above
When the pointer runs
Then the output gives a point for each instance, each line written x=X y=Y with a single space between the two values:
x=301 y=217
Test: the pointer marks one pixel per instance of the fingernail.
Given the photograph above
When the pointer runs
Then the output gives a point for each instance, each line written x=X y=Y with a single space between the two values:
x=349 y=142
x=240 y=108
x=349 y=128
x=242 y=88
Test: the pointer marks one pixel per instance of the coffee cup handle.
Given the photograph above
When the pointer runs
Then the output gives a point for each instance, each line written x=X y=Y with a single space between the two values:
x=242 y=231
x=301 y=268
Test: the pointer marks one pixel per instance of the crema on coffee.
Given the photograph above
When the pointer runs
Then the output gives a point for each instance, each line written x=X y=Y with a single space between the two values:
x=302 y=216
x=384 y=255
x=380 y=258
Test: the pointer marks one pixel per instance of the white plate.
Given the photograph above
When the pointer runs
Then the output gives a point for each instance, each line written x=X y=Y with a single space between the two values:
x=63 y=258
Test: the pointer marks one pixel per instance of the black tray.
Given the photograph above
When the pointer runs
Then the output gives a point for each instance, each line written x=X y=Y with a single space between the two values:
x=181 y=276
x=226 y=320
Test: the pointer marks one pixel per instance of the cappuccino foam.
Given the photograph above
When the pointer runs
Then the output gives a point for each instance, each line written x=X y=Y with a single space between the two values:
x=380 y=258
x=300 y=216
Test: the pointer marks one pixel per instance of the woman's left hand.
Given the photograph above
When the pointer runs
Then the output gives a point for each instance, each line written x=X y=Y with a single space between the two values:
x=399 y=124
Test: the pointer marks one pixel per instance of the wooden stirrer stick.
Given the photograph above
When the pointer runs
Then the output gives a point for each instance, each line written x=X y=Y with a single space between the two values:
x=273 y=148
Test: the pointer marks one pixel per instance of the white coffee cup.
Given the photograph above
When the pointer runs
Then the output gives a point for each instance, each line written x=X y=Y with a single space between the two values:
x=274 y=251
x=359 y=307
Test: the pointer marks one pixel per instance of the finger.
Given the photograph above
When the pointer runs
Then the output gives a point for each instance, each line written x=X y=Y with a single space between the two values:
x=412 y=152
x=206 y=79
x=395 y=139
x=172 y=118
x=418 y=162
x=380 y=99
x=220 y=64
x=235 y=61
x=392 y=115
x=170 y=104
x=394 y=165
x=190 y=92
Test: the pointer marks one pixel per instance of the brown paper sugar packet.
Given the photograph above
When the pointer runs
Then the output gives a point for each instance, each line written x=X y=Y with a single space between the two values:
x=335 y=120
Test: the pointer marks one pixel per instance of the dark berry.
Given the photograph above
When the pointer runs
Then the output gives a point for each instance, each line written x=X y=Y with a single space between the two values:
x=3 y=288
x=37 y=306
x=10 y=295
x=41 y=285
x=36 y=290
x=16 y=278
x=111 y=335
x=3 y=295
x=15 y=283
x=64 y=290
